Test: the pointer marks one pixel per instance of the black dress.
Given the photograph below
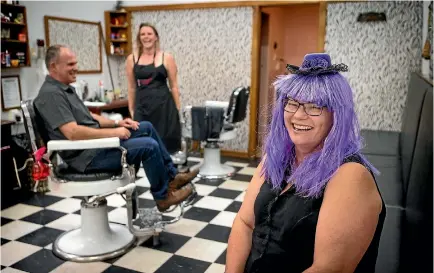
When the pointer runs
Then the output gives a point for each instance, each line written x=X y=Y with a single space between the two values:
x=283 y=239
x=154 y=103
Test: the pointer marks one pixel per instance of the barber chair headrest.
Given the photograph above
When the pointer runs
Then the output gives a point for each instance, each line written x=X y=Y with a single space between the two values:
x=237 y=109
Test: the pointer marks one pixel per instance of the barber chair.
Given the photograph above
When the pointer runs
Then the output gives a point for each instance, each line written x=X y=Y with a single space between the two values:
x=212 y=124
x=96 y=239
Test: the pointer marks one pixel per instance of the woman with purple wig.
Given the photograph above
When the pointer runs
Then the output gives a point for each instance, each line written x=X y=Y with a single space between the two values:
x=313 y=204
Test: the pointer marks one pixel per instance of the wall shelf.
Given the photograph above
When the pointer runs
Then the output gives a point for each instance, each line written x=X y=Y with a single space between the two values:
x=13 y=24
x=11 y=67
x=118 y=31
x=13 y=41
x=14 y=36
x=115 y=26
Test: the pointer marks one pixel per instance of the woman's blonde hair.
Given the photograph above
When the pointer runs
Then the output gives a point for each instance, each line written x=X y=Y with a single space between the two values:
x=139 y=43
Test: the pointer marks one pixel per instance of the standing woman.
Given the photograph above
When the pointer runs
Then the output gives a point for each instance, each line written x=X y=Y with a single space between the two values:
x=149 y=96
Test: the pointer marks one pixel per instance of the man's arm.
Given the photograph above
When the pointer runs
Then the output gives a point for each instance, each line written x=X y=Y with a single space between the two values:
x=104 y=122
x=55 y=110
x=108 y=123
x=73 y=131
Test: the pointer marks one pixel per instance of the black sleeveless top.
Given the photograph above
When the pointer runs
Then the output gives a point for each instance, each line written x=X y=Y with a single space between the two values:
x=155 y=103
x=283 y=239
x=151 y=87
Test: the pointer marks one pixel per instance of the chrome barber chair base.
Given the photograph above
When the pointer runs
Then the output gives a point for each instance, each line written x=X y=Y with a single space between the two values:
x=74 y=246
x=212 y=167
x=217 y=172
x=96 y=239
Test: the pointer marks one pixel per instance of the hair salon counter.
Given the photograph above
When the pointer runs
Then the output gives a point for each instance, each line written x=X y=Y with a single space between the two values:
x=117 y=106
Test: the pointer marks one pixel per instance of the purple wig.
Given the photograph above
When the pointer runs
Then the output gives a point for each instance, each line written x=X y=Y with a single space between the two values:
x=319 y=82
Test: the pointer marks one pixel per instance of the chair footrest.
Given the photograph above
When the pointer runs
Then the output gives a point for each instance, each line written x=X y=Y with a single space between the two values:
x=149 y=217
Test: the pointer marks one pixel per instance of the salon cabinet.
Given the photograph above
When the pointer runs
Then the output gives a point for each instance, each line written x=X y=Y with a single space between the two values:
x=118 y=31
x=15 y=51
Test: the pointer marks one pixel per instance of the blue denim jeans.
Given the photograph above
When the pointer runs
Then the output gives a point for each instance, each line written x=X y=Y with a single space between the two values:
x=144 y=146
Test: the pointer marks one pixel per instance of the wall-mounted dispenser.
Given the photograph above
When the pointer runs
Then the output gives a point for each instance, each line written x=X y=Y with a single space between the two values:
x=372 y=17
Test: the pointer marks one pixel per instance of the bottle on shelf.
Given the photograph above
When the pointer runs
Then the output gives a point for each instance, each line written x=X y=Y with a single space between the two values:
x=8 y=59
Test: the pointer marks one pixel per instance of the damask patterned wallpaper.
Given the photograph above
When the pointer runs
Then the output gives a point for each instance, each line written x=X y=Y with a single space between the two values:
x=380 y=56
x=212 y=49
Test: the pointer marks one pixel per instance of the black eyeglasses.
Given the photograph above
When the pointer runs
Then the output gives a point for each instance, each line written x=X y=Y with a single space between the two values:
x=311 y=109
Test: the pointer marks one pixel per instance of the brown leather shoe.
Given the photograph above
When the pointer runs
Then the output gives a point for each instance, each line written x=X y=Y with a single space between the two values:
x=174 y=198
x=181 y=179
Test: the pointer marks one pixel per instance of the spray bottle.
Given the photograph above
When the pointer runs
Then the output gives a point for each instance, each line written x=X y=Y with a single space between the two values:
x=101 y=91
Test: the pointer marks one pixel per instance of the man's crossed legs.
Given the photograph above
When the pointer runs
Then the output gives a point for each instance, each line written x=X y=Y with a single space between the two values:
x=145 y=146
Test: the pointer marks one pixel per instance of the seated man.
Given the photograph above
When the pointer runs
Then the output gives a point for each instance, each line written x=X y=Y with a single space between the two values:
x=66 y=117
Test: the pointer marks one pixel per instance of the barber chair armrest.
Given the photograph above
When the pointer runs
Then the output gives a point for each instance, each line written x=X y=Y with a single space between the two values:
x=100 y=143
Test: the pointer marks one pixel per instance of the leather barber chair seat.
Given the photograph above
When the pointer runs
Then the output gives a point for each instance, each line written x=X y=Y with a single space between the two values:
x=96 y=239
x=212 y=124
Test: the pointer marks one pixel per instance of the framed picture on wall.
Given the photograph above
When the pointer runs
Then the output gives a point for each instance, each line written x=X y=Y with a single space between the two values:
x=11 y=92
x=82 y=37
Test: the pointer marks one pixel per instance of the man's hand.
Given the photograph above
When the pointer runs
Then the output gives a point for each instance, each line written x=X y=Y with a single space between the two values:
x=123 y=133
x=129 y=123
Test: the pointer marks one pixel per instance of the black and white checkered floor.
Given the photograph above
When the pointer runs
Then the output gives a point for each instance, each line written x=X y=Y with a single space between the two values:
x=197 y=243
